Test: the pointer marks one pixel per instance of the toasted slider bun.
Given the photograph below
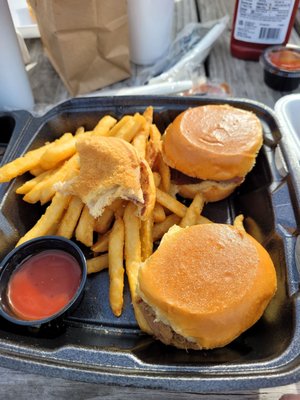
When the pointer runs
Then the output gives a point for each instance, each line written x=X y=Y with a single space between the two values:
x=205 y=285
x=211 y=190
x=216 y=143
x=109 y=169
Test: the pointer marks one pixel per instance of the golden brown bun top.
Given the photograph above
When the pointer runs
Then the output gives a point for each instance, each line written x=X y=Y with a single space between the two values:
x=215 y=142
x=209 y=282
x=109 y=168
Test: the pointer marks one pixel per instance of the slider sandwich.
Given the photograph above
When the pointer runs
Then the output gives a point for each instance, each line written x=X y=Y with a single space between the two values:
x=205 y=285
x=110 y=168
x=210 y=149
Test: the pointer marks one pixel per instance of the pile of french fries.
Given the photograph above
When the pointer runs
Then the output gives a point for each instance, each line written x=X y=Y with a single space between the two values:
x=118 y=238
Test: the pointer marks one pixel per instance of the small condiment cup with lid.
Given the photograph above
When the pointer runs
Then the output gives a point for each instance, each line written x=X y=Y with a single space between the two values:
x=41 y=281
x=281 y=67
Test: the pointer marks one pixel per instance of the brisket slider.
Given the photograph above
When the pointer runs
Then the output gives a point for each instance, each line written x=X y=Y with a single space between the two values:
x=205 y=285
x=211 y=148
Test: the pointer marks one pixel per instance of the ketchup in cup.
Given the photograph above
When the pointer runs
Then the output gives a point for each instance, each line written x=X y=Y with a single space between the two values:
x=288 y=59
x=43 y=284
x=281 y=66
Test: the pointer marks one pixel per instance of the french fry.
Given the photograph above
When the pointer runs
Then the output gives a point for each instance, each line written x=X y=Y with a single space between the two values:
x=131 y=128
x=157 y=178
x=148 y=114
x=97 y=264
x=22 y=164
x=133 y=259
x=103 y=223
x=119 y=212
x=170 y=203
x=159 y=214
x=141 y=138
x=148 y=188
x=139 y=142
x=45 y=189
x=85 y=227
x=49 y=220
x=147 y=237
x=29 y=185
x=160 y=229
x=132 y=245
x=238 y=222
x=101 y=246
x=58 y=152
x=34 y=195
x=155 y=136
x=69 y=221
x=27 y=162
x=36 y=171
x=115 y=266
x=79 y=131
x=153 y=148
x=164 y=171
x=193 y=211
x=118 y=207
x=105 y=124
x=119 y=125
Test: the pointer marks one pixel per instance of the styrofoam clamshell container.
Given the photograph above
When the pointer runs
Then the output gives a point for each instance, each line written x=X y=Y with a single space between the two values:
x=98 y=347
x=287 y=110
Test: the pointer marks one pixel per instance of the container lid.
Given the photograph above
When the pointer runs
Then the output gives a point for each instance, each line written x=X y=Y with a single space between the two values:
x=282 y=60
x=287 y=110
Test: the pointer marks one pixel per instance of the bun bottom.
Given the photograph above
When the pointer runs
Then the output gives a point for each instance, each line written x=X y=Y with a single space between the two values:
x=163 y=332
x=205 y=285
x=212 y=190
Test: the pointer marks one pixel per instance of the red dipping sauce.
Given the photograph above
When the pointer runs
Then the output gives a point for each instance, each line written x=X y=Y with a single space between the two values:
x=43 y=285
x=287 y=59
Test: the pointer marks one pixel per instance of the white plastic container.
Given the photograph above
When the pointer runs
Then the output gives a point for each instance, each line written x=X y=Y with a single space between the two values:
x=150 y=29
x=287 y=110
x=23 y=21
x=15 y=90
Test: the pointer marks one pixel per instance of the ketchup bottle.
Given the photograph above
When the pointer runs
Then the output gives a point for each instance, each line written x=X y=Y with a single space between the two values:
x=258 y=24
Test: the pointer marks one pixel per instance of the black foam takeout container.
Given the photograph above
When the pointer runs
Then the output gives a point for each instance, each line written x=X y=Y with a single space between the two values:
x=98 y=347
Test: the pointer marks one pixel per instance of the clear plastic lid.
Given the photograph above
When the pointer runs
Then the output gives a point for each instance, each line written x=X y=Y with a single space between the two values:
x=282 y=60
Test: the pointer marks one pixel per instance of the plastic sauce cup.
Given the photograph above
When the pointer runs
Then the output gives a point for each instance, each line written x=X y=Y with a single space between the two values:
x=41 y=280
x=281 y=67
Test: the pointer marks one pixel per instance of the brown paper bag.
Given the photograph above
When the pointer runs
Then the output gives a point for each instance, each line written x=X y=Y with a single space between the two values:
x=86 y=41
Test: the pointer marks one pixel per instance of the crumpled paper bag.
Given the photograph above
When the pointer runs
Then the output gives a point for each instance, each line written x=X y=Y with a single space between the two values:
x=86 y=41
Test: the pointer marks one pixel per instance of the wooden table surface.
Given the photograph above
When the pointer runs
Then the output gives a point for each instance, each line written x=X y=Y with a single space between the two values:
x=246 y=81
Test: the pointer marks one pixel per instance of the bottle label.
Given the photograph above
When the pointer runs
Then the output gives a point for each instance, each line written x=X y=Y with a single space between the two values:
x=263 y=21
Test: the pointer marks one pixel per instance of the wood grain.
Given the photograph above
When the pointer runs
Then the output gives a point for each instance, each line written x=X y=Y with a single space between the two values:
x=21 y=385
x=245 y=78
x=47 y=87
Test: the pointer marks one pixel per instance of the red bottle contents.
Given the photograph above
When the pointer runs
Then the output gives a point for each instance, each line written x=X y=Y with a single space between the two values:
x=43 y=285
x=258 y=24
